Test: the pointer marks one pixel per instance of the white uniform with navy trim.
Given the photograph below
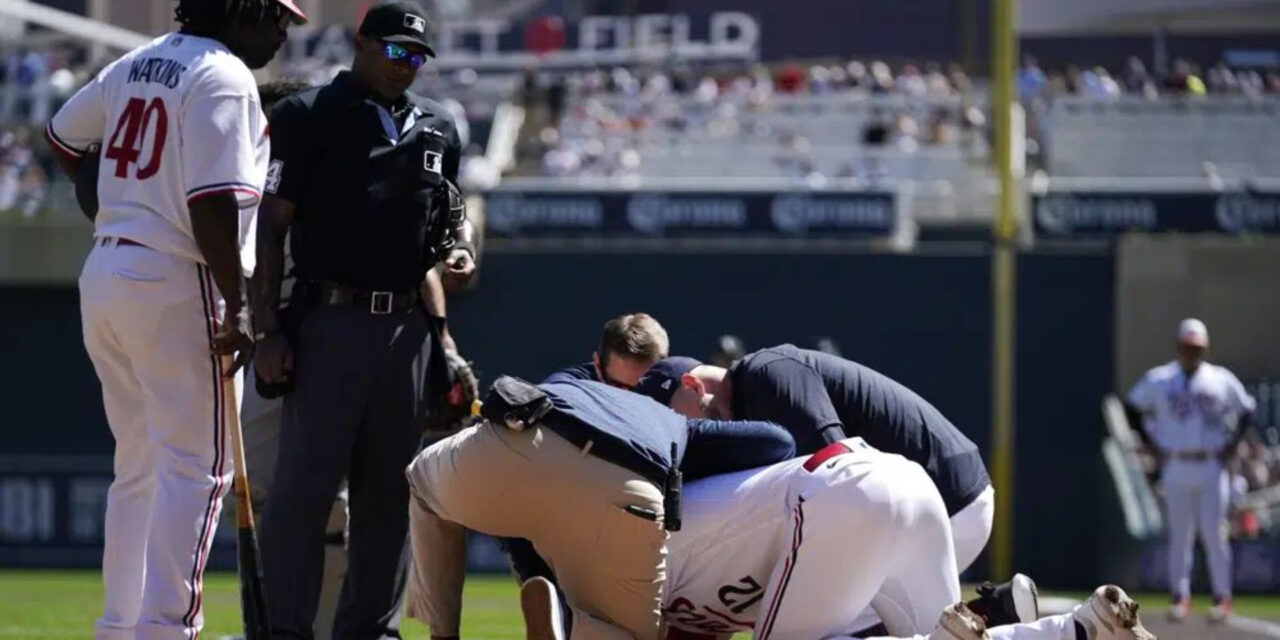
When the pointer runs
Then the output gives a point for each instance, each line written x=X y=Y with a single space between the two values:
x=1189 y=419
x=178 y=119
x=800 y=548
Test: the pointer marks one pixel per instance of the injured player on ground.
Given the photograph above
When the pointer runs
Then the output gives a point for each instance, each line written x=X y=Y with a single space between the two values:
x=799 y=549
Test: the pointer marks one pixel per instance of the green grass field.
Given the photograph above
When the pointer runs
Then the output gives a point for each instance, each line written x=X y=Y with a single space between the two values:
x=61 y=605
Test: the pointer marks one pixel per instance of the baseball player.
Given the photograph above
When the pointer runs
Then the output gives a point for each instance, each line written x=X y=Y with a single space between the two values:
x=1189 y=408
x=184 y=159
x=819 y=397
x=767 y=551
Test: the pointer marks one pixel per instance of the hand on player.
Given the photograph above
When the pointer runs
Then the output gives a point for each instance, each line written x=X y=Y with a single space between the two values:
x=234 y=338
x=459 y=268
x=273 y=359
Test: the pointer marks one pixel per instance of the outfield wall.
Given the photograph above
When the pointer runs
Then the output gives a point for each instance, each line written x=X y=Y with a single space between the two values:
x=923 y=319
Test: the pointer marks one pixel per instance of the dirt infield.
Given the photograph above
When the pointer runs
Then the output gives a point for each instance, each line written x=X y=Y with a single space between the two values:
x=1198 y=629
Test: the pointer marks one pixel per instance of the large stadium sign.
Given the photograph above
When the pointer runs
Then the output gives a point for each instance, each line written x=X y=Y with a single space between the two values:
x=553 y=40
x=523 y=213
x=1104 y=214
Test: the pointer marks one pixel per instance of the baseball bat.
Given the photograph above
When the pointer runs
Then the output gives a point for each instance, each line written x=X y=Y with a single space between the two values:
x=253 y=600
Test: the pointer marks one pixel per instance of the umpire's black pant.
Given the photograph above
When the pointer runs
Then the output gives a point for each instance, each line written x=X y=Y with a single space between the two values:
x=357 y=410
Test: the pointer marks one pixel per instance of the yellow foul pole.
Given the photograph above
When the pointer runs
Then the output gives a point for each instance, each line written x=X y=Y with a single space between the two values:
x=1003 y=285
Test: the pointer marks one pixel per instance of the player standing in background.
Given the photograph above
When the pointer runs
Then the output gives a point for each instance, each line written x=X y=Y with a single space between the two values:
x=183 y=164
x=1189 y=407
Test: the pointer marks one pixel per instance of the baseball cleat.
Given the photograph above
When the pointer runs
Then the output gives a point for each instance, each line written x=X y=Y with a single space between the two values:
x=1110 y=614
x=1220 y=611
x=1008 y=602
x=1179 y=610
x=541 y=608
x=959 y=622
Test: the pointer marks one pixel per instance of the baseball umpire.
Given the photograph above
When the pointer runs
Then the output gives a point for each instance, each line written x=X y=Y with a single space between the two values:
x=362 y=177
x=591 y=475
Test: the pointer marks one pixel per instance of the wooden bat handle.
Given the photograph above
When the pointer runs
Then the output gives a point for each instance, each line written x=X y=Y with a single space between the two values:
x=240 y=477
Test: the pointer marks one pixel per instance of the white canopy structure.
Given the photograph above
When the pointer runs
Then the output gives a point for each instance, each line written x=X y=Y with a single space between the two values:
x=1109 y=17
x=24 y=11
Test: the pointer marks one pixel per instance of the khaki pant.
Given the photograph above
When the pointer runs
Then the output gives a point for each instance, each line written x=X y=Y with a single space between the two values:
x=533 y=484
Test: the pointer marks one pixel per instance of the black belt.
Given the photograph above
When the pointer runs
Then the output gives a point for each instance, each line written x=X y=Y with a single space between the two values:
x=106 y=241
x=376 y=302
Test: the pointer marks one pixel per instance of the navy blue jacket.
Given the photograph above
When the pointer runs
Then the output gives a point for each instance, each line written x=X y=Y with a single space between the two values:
x=584 y=371
x=808 y=391
x=635 y=432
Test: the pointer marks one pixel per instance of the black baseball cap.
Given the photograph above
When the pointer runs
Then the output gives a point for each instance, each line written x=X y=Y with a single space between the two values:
x=397 y=21
x=663 y=378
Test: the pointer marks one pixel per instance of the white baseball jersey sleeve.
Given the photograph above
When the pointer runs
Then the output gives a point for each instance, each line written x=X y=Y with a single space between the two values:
x=1190 y=414
x=179 y=119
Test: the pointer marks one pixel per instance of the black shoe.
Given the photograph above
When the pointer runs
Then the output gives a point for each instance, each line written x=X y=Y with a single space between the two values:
x=1008 y=602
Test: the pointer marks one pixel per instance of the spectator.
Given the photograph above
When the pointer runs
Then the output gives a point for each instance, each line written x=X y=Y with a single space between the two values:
x=911 y=83
x=1031 y=80
x=936 y=82
x=859 y=79
x=1107 y=87
x=959 y=80
x=1220 y=79
x=1136 y=78
x=881 y=78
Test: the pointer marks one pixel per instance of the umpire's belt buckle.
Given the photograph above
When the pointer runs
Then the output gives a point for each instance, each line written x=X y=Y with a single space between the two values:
x=380 y=303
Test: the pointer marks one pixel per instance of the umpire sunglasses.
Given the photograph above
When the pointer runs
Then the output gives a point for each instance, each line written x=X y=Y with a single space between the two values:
x=398 y=53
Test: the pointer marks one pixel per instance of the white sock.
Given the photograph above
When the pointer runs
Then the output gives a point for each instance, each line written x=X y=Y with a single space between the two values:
x=1059 y=627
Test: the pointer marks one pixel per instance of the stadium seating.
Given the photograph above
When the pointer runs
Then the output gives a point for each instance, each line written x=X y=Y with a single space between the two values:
x=1170 y=137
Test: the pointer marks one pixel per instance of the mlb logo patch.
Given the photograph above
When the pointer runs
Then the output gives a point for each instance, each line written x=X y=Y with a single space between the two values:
x=417 y=23
x=433 y=161
x=274 y=172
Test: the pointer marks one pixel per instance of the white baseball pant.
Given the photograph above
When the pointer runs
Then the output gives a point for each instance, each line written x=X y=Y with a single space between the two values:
x=1059 y=627
x=148 y=318
x=971 y=528
x=1196 y=496
x=871 y=534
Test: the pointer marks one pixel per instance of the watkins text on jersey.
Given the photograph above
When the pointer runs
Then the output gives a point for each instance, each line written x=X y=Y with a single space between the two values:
x=157 y=70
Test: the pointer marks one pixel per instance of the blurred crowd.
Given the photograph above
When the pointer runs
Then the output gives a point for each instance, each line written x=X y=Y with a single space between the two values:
x=33 y=84
x=606 y=122
x=592 y=118
x=1185 y=78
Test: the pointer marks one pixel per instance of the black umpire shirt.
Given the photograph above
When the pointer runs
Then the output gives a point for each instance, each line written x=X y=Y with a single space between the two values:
x=808 y=391
x=358 y=174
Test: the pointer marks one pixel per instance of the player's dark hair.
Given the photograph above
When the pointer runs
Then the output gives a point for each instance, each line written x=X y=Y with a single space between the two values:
x=210 y=17
x=634 y=335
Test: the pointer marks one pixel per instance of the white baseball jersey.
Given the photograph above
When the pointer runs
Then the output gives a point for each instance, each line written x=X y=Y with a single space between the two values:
x=179 y=119
x=801 y=548
x=1190 y=414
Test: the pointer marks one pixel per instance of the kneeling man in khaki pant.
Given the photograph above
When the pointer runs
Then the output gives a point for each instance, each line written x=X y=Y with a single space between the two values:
x=591 y=478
